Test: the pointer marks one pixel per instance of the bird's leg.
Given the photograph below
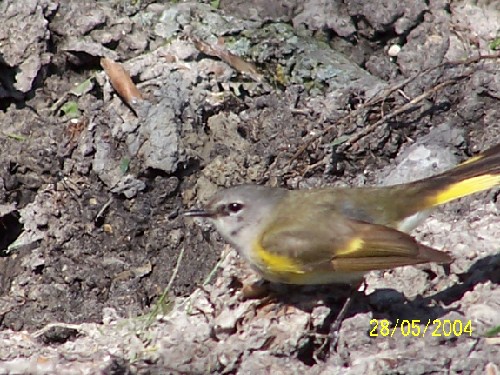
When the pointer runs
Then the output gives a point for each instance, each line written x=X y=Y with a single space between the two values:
x=255 y=290
x=335 y=327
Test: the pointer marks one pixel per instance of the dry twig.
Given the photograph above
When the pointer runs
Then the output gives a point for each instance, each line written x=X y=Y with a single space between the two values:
x=382 y=96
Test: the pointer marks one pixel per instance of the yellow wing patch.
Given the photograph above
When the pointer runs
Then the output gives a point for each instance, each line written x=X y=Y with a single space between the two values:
x=463 y=188
x=276 y=263
x=352 y=247
x=285 y=264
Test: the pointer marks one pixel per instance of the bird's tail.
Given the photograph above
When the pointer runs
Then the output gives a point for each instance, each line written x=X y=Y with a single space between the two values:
x=481 y=172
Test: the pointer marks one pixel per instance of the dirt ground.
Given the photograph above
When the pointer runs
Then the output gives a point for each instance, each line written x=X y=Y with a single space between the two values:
x=293 y=93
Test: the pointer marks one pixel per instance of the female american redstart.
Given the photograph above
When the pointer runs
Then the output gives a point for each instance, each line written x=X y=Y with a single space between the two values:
x=335 y=235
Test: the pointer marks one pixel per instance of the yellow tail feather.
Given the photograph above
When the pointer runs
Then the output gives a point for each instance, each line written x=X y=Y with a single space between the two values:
x=466 y=187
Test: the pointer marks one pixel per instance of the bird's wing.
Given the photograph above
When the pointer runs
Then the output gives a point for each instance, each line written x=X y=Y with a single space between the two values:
x=342 y=244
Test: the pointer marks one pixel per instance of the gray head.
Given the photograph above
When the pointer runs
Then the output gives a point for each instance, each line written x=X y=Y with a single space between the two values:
x=240 y=212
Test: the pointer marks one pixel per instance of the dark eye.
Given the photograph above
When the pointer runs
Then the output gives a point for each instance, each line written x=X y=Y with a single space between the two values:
x=234 y=207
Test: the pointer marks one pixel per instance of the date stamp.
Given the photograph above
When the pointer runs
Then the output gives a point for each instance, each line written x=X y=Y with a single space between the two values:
x=420 y=328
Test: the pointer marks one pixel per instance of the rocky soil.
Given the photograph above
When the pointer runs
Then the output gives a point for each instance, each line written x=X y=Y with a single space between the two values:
x=99 y=271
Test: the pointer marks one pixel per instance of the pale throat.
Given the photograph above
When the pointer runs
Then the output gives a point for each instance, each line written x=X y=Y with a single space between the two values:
x=240 y=233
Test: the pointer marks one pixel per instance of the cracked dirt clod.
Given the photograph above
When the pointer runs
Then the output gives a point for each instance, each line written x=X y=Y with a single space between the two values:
x=98 y=199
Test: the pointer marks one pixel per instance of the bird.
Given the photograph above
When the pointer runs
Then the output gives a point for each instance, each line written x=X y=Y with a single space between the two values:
x=332 y=235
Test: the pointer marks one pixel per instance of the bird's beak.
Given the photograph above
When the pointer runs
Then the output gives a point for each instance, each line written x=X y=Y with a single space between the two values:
x=199 y=213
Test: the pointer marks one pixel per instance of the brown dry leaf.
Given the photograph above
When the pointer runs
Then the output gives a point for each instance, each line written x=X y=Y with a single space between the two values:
x=492 y=340
x=121 y=81
x=219 y=50
x=491 y=369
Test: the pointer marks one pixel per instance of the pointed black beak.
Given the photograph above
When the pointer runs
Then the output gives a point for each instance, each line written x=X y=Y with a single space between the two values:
x=199 y=213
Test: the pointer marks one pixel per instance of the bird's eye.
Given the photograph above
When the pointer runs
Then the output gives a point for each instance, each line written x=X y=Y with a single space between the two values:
x=234 y=207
